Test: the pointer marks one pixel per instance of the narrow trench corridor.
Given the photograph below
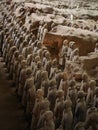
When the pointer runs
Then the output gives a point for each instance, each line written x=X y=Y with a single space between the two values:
x=11 y=113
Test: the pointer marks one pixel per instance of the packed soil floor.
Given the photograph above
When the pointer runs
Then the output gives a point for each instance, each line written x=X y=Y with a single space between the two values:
x=11 y=112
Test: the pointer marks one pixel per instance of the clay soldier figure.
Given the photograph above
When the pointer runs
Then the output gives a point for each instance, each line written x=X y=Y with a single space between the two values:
x=24 y=52
x=22 y=46
x=16 y=40
x=70 y=49
x=69 y=70
x=92 y=119
x=60 y=128
x=96 y=48
x=96 y=98
x=34 y=46
x=45 y=54
x=64 y=84
x=45 y=83
x=84 y=82
x=22 y=78
x=58 y=77
x=75 y=55
x=33 y=61
x=46 y=58
x=37 y=109
x=63 y=54
x=28 y=84
x=44 y=108
x=53 y=69
x=43 y=32
x=90 y=93
x=64 y=47
x=72 y=93
x=10 y=54
x=39 y=35
x=18 y=70
x=48 y=66
x=52 y=93
x=29 y=59
x=81 y=108
x=7 y=40
x=36 y=60
x=29 y=51
x=8 y=46
x=19 y=41
x=1 y=38
x=67 y=118
x=40 y=54
x=49 y=122
x=63 y=63
x=38 y=46
x=59 y=107
x=32 y=40
x=38 y=75
x=31 y=93
x=15 y=63
x=79 y=126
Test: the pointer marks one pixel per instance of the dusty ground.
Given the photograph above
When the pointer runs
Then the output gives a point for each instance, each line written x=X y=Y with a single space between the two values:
x=11 y=113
